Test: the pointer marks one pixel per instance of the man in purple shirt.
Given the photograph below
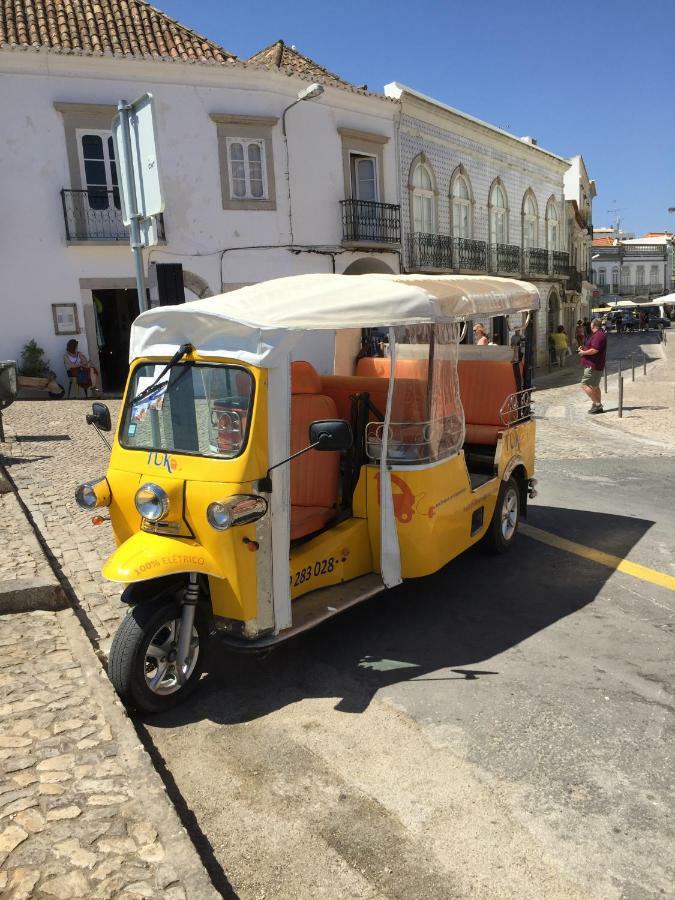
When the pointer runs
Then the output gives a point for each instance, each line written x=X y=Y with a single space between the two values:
x=593 y=355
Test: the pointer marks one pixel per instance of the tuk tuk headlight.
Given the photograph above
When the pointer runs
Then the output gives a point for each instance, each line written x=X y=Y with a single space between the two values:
x=241 y=509
x=152 y=502
x=93 y=493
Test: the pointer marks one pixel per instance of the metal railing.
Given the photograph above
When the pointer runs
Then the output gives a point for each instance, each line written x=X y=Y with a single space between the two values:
x=95 y=215
x=574 y=280
x=535 y=261
x=516 y=408
x=371 y=222
x=429 y=251
x=560 y=262
x=505 y=258
x=469 y=254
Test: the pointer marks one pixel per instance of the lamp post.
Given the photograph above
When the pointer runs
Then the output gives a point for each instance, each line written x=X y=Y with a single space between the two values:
x=311 y=92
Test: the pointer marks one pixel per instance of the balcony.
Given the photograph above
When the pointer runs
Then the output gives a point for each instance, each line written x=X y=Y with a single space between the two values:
x=95 y=215
x=505 y=258
x=439 y=251
x=535 y=261
x=429 y=251
x=574 y=280
x=368 y=222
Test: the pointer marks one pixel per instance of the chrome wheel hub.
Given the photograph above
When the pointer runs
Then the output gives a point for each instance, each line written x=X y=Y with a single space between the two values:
x=509 y=514
x=161 y=675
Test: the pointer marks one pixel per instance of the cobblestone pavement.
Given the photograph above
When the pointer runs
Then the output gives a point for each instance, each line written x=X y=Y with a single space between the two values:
x=82 y=811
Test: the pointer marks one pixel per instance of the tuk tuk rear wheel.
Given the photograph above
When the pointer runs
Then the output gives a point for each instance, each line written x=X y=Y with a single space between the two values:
x=504 y=525
x=141 y=664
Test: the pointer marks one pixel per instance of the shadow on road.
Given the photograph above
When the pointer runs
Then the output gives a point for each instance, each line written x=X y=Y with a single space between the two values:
x=445 y=627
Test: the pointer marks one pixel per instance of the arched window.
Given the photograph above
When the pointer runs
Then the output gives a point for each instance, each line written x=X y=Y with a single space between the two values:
x=499 y=215
x=423 y=197
x=552 y=225
x=462 y=225
x=530 y=221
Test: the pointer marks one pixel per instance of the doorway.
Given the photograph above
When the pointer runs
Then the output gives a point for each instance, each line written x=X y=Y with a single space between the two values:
x=115 y=310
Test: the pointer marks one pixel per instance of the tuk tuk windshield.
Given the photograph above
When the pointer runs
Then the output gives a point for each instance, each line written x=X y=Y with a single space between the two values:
x=196 y=409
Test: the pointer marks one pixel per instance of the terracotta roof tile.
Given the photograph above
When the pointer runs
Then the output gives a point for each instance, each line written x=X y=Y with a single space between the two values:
x=280 y=56
x=96 y=27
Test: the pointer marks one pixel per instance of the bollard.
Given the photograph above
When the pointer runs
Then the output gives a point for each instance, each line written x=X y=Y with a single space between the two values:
x=621 y=396
x=605 y=379
x=644 y=364
x=620 y=361
x=632 y=367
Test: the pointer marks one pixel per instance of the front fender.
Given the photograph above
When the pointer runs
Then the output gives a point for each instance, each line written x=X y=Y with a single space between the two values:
x=144 y=556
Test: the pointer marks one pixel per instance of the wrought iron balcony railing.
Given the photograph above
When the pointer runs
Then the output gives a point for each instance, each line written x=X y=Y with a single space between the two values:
x=469 y=255
x=429 y=251
x=370 y=222
x=95 y=215
x=505 y=258
x=560 y=262
x=574 y=280
x=535 y=261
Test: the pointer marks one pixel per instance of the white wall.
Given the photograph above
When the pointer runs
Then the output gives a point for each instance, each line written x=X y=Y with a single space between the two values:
x=39 y=268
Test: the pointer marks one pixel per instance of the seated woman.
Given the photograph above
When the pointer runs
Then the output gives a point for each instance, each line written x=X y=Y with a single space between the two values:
x=75 y=363
x=480 y=335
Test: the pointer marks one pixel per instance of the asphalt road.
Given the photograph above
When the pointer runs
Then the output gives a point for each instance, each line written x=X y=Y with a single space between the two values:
x=501 y=729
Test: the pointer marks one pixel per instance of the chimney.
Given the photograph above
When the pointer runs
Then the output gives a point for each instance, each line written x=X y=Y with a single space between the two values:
x=529 y=140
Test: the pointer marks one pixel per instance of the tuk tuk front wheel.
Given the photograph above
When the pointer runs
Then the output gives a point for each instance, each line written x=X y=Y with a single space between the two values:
x=142 y=658
x=504 y=525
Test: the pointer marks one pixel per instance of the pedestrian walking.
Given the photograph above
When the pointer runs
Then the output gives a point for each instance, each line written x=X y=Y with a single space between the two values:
x=593 y=355
x=517 y=341
x=618 y=321
x=643 y=320
x=561 y=344
x=587 y=329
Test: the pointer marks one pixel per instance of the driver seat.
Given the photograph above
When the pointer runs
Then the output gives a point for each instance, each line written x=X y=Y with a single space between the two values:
x=314 y=475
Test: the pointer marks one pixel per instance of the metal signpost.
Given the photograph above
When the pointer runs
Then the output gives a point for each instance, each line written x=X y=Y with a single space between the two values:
x=135 y=140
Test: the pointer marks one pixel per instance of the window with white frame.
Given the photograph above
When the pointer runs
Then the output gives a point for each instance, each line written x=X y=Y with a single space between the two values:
x=461 y=208
x=529 y=221
x=653 y=275
x=424 y=220
x=615 y=277
x=499 y=216
x=602 y=276
x=625 y=276
x=639 y=275
x=363 y=173
x=98 y=169
x=552 y=225
x=247 y=168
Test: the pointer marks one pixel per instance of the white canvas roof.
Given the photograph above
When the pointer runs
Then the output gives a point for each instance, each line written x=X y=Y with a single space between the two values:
x=259 y=323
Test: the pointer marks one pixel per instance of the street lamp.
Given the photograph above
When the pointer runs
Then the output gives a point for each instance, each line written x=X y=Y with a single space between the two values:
x=311 y=92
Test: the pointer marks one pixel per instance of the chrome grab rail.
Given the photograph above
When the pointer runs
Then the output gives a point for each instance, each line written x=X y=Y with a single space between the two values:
x=516 y=408
x=411 y=442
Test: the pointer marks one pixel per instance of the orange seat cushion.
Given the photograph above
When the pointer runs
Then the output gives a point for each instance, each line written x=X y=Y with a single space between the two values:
x=341 y=388
x=314 y=475
x=308 y=519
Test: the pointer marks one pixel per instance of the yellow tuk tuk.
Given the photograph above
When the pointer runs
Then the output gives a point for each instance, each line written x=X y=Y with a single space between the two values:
x=267 y=474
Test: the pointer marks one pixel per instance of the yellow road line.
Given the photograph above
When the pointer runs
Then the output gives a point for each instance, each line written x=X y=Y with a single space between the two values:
x=598 y=556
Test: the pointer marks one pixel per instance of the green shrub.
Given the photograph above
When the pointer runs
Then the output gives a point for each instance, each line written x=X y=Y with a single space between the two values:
x=33 y=362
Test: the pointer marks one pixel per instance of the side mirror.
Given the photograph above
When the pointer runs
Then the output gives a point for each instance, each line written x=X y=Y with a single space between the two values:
x=100 y=417
x=331 y=434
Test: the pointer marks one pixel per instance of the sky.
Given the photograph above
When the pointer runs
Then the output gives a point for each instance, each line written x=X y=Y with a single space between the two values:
x=582 y=76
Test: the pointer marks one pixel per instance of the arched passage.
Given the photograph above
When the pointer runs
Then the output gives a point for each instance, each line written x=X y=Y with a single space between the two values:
x=198 y=285
x=366 y=265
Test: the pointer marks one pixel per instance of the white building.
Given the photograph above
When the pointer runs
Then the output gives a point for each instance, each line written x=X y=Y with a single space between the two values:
x=579 y=194
x=635 y=269
x=475 y=198
x=243 y=203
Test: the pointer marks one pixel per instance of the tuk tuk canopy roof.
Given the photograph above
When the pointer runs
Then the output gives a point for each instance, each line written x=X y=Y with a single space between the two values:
x=257 y=324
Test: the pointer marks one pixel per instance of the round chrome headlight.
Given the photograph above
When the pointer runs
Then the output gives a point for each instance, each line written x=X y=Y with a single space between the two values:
x=88 y=497
x=219 y=516
x=240 y=509
x=152 y=502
